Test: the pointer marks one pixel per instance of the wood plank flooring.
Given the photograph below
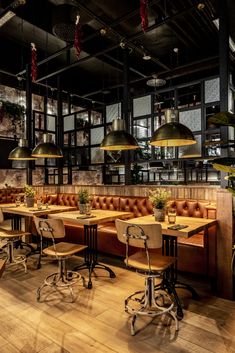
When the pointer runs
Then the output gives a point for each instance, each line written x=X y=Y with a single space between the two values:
x=97 y=323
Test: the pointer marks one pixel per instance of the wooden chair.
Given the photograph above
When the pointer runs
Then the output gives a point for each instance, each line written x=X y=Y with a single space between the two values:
x=53 y=229
x=10 y=237
x=151 y=302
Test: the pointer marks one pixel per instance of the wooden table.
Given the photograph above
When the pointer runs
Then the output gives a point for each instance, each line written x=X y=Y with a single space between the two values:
x=90 y=235
x=170 y=244
x=34 y=211
x=194 y=225
x=28 y=212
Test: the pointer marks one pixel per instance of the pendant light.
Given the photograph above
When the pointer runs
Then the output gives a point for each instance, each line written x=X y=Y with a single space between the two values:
x=21 y=152
x=47 y=148
x=172 y=133
x=119 y=139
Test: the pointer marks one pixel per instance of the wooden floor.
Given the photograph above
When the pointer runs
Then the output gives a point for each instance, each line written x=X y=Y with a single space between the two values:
x=96 y=322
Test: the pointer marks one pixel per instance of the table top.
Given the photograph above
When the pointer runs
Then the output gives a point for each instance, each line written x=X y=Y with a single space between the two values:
x=194 y=225
x=34 y=211
x=96 y=216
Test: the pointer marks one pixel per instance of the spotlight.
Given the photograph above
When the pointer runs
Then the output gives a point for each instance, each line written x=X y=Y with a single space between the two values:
x=146 y=57
x=103 y=32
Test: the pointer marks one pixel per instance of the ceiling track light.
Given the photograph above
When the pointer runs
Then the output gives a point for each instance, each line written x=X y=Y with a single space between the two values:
x=147 y=57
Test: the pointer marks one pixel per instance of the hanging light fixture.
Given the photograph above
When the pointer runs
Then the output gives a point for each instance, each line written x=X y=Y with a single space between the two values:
x=47 y=148
x=172 y=133
x=21 y=152
x=119 y=139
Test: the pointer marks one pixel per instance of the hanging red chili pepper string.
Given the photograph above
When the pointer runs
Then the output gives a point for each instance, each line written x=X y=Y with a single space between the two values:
x=34 y=70
x=77 y=37
x=144 y=14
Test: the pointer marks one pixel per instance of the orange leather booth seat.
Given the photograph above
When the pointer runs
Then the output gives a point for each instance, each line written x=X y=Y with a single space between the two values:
x=8 y=195
x=193 y=256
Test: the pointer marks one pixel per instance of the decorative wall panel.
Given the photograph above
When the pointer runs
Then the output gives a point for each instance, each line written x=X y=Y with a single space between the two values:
x=69 y=123
x=97 y=135
x=112 y=112
x=97 y=155
x=12 y=177
x=91 y=177
x=141 y=106
x=192 y=150
x=192 y=119
x=212 y=90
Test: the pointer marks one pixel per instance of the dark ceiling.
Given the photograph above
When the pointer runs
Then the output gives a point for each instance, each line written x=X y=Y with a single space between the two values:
x=99 y=70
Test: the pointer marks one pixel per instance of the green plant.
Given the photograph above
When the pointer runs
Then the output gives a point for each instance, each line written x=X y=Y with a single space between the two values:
x=29 y=191
x=135 y=174
x=83 y=196
x=159 y=198
x=14 y=112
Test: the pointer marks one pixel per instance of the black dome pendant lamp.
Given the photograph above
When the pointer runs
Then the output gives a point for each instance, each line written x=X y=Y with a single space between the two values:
x=21 y=152
x=172 y=133
x=119 y=139
x=47 y=148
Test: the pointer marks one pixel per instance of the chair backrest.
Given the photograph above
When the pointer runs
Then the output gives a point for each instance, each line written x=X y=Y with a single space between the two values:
x=1 y=216
x=50 y=228
x=140 y=235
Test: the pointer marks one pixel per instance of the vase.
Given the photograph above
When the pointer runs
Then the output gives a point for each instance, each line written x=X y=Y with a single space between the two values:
x=159 y=214
x=84 y=208
x=29 y=201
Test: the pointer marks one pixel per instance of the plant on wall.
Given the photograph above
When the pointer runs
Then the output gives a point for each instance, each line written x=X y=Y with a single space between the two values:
x=14 y=112
x=136 y=174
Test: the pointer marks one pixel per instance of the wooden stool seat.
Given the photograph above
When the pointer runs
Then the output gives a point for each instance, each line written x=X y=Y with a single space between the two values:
x=9 y=234
x=158 y=262
x=64 y=249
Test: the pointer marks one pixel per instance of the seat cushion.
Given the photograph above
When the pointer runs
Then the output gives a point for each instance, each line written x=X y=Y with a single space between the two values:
x=158 y=262
x=64 y=249
x=195 y=240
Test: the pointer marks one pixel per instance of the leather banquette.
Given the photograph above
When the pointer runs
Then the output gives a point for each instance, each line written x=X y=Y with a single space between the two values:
x=194 y=254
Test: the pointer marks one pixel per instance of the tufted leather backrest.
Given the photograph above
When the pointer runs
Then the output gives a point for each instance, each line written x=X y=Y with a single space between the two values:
x=139 y=206
x=3 y=196
x=106 y=202
x=12 y=193
x=67 y=200
x=51 y=199
x=190 y=208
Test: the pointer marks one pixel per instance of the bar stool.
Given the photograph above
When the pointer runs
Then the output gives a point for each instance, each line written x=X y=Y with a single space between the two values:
x=11 y=237
x=148 y=302
x=53 y=229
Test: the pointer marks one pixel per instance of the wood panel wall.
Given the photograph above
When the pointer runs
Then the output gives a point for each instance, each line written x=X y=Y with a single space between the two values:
x=225 y=241
x=207 y=193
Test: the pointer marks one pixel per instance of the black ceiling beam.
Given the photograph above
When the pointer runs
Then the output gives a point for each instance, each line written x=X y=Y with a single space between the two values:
x=75 y=64
x=121 y=63
x=92 y=36
x=44 y=61
x=7 y=73
x=174 y=17
x=120 y=35
x=177 y=29
x=199 y=65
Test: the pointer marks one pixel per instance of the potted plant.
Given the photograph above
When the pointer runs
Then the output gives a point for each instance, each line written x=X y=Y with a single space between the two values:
x=159 y=199
x=29 y=195
x=83 y=201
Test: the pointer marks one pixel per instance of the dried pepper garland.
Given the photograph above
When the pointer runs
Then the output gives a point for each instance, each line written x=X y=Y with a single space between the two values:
x=34 y=70
x=77 y=37
x=144 y=14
